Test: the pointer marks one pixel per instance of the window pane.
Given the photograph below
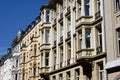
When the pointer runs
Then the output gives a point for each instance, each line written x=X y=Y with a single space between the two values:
x=47 y=15
x=117 y=3
x=88 y=31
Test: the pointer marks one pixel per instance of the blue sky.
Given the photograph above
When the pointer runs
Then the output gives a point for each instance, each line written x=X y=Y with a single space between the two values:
x=16 y=15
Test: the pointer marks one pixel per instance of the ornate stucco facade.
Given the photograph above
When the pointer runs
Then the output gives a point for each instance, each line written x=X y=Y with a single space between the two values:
x=30 y=52
x=73 y=40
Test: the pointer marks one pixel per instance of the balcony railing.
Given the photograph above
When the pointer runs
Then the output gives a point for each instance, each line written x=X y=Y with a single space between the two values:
x=85 y=53
x=69 y=34
x=97 y=15
x=44 y=69
x=61 y=39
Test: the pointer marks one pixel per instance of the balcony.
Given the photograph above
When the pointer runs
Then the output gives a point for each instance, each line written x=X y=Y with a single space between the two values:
x=68 y=33
x=85 y=54
x=61 y=39
x=97 y=15
x=44 y=72
x=14 y=69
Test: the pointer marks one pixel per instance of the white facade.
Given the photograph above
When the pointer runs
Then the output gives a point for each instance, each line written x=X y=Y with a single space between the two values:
x=7 y=67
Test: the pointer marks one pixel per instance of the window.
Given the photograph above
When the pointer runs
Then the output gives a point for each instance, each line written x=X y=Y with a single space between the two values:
x=118 y=38
x=68 y=76
x=101 y=71
x=35 y=49
x=34 y=69
x=68 y=24
x=47 y=16
x=54 y=78
x=16 y=76
x=42 y=59
x=69 y=53
x=61 y=29
x=98 y=5
x=61 y=7
x=80 y=39
x=68 y=3
x=61 y=56
x=87 y=32
x=47 y=36
x=79 y=8
x=99 y=39
x=77 y=74
x=47 y=59
x=87 y=7
x=117 y=5
x=17 y=63
x=60 y=77
x=55 y=34
x=55 y=57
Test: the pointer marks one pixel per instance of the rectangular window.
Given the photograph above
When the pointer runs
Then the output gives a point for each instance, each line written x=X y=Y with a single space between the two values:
x=68 y=76
x=77 y=74
x=118 y=38
x=98 y=5
x=61 y=29
x=55 y=34
x=87 y=5
x=55 y=57
x=60 y=77
x=80 y=39
x=101 y=71
x=117 y=5
x=68 y=3
x=69 y=53
x=88 y=37
x=54 y=78
x=47 y=59
x=47 y=16
x=61 y=56
x=99 y=39
x=16 y=77
x=68 y=24
x=79 y=8
x=35 y=49
x=47 y=36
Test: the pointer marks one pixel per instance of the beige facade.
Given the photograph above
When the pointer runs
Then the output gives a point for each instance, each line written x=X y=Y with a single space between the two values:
x=30 y=52
x=72 y=43
x=112 y=21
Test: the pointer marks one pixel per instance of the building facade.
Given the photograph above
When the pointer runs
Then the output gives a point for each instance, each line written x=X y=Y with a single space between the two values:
x=16 y=51
x=7 y=70
x=72 y=40
x=112 y=21
x=30 y=53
